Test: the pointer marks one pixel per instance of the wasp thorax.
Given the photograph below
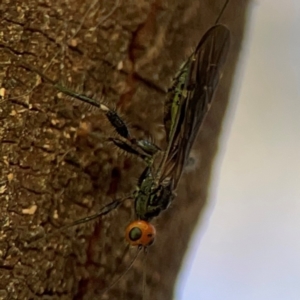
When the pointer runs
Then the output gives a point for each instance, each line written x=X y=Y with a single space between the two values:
x=140 y=233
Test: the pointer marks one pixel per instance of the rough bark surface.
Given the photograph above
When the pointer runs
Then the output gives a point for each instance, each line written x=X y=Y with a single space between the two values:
x=54 y=172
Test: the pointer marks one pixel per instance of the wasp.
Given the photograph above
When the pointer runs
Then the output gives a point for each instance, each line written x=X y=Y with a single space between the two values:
x=187 y=103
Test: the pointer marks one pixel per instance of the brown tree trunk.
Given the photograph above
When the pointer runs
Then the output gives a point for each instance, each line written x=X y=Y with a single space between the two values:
x=54 y=172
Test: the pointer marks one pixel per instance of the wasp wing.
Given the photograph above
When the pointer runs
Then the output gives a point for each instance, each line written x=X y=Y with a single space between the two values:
x=192 y=94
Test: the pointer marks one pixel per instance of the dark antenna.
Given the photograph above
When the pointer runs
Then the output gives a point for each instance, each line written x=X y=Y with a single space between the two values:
x=222 y=11
x=145 y=275
x=125 y=272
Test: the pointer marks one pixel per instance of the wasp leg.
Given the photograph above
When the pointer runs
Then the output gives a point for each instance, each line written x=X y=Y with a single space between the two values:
x=128 y=147
x=146 y=146
x=134 y=147
x=120 y=126
x=115 y=120
x=111 y=115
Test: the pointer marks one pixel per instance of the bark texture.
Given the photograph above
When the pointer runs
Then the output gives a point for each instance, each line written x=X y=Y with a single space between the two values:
x=53 y=171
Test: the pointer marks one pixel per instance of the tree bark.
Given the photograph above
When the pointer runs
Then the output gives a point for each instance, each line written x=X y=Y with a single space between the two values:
x=54 y=171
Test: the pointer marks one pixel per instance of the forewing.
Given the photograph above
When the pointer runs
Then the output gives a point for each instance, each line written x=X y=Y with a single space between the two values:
x=202 y=77
x=174 y=99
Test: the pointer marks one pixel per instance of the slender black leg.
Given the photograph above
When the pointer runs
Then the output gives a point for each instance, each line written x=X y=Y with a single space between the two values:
x=131 y=145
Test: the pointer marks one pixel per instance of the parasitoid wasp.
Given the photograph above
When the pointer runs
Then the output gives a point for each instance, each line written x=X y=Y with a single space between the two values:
x=187 y=103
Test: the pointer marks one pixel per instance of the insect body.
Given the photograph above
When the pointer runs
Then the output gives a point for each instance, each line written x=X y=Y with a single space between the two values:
x=187 y=103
